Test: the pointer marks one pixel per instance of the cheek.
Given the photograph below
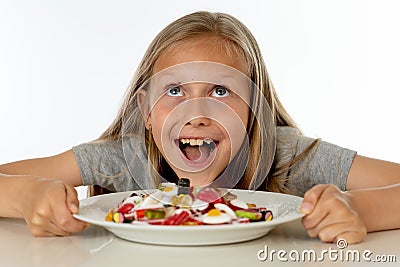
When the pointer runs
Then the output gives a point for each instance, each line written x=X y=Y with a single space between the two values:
x=161 y=126
x=242 y=111
x=157 y=118
x=158 y=115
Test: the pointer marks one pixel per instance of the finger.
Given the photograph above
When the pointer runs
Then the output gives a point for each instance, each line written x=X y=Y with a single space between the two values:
x=351 y=237
x=62 y=216
x=41 y=226
x=331 y=232
x=57 y=231
x=311 y=198
x=72 y=199
x=73 y=203
x=41 y=233
x=320 y=210
x=330 y=209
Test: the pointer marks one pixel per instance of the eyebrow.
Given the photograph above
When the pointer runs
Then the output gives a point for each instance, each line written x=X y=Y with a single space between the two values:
x=165 y=76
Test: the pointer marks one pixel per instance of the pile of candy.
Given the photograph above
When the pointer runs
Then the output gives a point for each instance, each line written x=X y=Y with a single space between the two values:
x=181 y=204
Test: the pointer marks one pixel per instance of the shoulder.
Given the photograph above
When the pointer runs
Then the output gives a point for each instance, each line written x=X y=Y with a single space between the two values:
x=112 y=146
x=311 y=161
x=111 y=155
x=113 y=164
x=290 y=142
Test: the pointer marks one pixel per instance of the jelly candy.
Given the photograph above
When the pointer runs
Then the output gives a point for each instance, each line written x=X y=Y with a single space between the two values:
x=162 y=186
x=215 y=216
x=208 y=195
x=118 y=217
x=192 y=206
x=186 y=201
x=126 y=208
x=169 y=211
x=251 y=215
x=154 y=214
x=176 y=200
x=170 y=191
x=200 y=205
x=178 y=219
x=139 y=214
x=237 y=204
x=266 y=215
x=109 y=216
x=225 y=209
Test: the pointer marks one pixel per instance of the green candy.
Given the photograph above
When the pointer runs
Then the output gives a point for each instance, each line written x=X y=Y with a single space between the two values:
x=154 y=214
x=252 y=216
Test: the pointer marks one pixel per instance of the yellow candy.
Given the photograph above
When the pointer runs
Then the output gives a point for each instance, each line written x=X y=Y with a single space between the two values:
x=214 y=212
x=109 y=216
x=168 y=188
x=176 y=200
x=118 y=217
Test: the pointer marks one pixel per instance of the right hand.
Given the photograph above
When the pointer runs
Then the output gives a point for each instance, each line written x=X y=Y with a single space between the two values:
x=47 y=206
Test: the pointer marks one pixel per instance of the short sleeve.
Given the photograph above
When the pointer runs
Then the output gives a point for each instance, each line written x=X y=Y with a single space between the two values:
x=103 y=163
x=325 y=164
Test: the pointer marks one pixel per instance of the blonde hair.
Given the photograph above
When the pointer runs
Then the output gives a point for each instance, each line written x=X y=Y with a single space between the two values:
x=237 y=39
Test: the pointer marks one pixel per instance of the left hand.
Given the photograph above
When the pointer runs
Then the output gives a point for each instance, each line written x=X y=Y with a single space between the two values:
x=330 y=215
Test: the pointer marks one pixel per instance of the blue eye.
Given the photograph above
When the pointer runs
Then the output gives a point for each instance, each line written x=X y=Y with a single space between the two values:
x=220 y=91
x=174 y=91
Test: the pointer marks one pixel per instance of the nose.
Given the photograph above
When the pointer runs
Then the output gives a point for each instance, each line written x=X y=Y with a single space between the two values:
x=200 y=121
x=199 y=105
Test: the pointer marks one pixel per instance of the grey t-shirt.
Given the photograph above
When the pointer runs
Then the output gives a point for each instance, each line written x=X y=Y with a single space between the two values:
x=103 y=163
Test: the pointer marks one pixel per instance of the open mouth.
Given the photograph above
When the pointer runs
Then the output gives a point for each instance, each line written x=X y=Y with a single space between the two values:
x=197 y=150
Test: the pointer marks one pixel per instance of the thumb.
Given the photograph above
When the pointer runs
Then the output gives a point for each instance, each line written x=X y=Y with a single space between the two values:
x=311 y=197
x=72 y=199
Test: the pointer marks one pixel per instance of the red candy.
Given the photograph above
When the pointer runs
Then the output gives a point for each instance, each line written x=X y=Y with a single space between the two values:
x=178 y=219
x=207 y=206
x=126 y=208
x=140 y=214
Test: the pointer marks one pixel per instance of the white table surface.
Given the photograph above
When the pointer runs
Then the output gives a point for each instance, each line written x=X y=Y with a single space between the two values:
x=98 y=247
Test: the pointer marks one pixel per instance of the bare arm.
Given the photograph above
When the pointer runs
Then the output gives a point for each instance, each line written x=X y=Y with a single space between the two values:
x=374 y=189
x=41 y=191
x=370 y=173
x=61 y=167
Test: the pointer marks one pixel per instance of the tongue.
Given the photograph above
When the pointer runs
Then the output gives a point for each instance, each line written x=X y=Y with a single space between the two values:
x=198 y=153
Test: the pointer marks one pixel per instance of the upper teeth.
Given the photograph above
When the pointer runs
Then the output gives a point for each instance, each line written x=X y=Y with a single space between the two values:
x=195 y=142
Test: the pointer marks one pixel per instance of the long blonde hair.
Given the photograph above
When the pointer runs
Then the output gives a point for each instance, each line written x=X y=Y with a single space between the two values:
x=236 y=38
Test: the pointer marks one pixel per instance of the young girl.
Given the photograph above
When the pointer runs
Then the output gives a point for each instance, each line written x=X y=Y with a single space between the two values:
x=201 y=106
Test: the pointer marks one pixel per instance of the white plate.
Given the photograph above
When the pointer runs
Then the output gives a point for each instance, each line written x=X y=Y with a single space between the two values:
x=94 y=209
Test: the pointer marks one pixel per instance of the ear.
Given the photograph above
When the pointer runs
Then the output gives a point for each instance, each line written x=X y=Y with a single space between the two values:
x=143 y=105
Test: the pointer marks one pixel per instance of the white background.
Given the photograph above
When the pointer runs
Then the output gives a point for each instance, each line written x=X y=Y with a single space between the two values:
x=65 y=65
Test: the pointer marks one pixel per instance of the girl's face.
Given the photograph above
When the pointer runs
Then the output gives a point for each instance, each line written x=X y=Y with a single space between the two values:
x=199 y=108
